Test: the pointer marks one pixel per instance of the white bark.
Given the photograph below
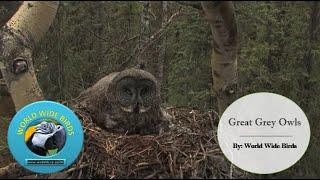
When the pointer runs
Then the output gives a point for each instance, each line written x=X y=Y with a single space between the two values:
x=220 y=16
x=18 y=37
x=34 y=17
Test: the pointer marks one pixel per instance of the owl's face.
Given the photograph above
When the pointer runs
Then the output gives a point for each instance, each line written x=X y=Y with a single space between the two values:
x=135 y=95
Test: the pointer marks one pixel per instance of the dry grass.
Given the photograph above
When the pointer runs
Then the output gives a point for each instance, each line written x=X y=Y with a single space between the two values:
x=189 y=150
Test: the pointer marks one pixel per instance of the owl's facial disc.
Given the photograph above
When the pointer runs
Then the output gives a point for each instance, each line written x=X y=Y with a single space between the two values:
x=135 y=95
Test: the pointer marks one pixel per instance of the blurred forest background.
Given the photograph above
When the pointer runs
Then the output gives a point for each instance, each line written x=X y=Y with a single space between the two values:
x=279 y=52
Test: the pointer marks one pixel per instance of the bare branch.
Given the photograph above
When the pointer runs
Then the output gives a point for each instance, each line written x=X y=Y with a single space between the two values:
x=136 y=51
x=161 y=31
x=14 y=170
x=192 y=4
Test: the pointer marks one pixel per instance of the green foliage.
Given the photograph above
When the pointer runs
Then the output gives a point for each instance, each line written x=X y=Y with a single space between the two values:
x=273 y=57
x=190 y=80
x=84 y=44
x=88 y=40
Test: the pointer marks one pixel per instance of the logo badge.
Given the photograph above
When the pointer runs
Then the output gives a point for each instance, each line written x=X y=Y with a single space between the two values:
x=45 y=137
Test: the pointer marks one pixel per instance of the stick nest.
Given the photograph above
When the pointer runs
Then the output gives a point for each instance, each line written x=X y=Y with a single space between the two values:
x=189 y=150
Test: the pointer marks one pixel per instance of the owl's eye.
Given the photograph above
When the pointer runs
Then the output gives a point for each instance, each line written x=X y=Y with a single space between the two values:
x=144 y=91
x=147 y=93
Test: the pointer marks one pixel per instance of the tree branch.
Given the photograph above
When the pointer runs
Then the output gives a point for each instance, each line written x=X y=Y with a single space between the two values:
x=160 y=32
x=137 y=52
x=14 y=170
x=192 y=4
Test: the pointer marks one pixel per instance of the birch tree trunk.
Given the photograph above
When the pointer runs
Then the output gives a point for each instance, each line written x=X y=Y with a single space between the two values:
x=221 y=18
x=6 y=104
x=17 y=40
x=7 y=10
x=162 y=55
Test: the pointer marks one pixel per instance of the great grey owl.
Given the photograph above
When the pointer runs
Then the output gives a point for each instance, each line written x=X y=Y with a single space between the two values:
x=126 y=102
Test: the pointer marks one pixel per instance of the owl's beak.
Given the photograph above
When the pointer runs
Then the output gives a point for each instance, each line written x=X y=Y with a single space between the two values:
x=136 y=108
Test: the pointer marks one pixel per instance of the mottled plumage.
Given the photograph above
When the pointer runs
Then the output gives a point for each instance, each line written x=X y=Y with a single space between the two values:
x=126 y=102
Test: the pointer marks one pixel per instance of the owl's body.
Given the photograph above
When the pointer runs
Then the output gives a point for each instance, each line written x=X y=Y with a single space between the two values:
x=126 y=102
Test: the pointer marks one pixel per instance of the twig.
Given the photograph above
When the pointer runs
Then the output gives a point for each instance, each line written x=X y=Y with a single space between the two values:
x=195 y=5
x=97 y=36
x=172 y=154
x=151 y=175
x=138 y=51
x=118 y=45
x=231 y=171
x=158 y=34
x=77 y=168
x=14 y=170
